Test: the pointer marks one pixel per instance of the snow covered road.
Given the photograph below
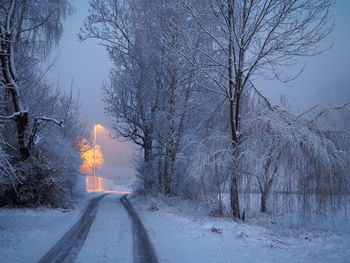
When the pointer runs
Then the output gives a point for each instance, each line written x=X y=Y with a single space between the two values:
x=70 y=244
x=117 y=235
x=110 y=237
x=106 y=230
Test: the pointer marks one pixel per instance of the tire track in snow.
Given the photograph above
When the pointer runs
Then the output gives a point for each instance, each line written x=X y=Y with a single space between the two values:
x=143 y=249
x=68 y=247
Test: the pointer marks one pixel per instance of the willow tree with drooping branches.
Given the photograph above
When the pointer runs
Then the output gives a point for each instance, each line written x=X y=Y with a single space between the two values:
x=254 y=37
x=290 y=155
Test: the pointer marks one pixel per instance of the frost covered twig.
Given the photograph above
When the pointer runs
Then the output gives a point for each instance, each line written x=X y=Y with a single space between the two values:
x=330 y=110
x=324 y=111
x=36 y=126
x=266 y=100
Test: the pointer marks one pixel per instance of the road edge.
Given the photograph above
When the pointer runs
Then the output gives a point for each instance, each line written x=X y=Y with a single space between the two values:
x=145 y=252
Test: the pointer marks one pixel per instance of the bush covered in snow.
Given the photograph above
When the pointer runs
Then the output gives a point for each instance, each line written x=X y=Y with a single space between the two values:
x=39 y=157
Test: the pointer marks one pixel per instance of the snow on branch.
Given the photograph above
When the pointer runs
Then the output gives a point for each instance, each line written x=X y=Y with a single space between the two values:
x=330 y=110
x=266 y=100
x=59 y=123
x=324 y=111
x=10 y=117
x=36 y=125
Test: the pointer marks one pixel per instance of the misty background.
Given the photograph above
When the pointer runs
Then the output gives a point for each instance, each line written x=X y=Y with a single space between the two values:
x=85 y=66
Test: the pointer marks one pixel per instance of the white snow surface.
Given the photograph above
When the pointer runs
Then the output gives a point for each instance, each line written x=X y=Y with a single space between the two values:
x=110 y=236
x=27 y=234
x=178 y=231
x=180 y=236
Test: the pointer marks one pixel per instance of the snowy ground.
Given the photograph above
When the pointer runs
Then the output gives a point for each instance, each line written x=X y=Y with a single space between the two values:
x=179 y=237
x=27 y=234
x=178 y=232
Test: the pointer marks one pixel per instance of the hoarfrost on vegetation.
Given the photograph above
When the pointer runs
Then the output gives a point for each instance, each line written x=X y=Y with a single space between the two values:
x=182 y=89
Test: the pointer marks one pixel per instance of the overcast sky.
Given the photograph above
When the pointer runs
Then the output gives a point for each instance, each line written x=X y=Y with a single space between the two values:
x=326 y=79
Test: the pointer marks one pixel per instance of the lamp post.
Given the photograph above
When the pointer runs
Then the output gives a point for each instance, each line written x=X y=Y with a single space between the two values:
x=96 y=126
x=94 y=175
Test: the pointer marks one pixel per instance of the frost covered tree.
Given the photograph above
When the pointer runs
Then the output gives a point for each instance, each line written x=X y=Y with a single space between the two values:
x=7 y=172
x=49 y=175
x=112 y=24
x=283 y=152
x=252 y=37
x=40 y=124
x=25 y=29
x=150 y=86
x=182 y=89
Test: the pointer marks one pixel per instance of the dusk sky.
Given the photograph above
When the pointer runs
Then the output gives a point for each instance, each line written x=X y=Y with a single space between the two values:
x=88 y=66
x=325 y=79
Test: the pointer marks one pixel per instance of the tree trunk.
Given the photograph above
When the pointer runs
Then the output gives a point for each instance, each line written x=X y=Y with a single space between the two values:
x=22 y=124
x=167 y=177
x=10 y=80
x=234 y=197
x=147 y=146
x=265 y=191
x=170 y=145
x=267 y=184
x=263 y=201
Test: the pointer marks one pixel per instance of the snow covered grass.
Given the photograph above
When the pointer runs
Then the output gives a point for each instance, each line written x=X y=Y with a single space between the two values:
x=27 y=234
x=287 y=210
x=181 y=232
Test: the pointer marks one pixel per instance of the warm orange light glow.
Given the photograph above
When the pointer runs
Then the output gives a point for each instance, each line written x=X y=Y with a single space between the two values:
x=95 y=184
x=99 y=127
x=91 y=158
x=101 y=184
x=117 y=192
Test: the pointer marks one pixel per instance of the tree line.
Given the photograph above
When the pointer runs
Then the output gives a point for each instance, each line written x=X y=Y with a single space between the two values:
x=183 y=89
